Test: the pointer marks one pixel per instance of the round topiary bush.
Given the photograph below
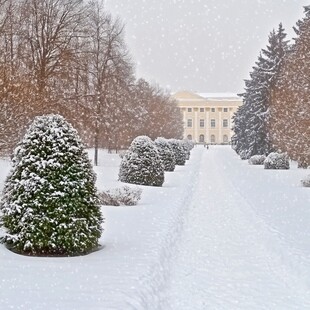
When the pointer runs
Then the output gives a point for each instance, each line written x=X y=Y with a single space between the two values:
x=166 y=153
x=277 y=161
x=50 y=204
x=306 y=181
x=257 y=160
x=187 y=146
x=179 y=152
x=141 y=164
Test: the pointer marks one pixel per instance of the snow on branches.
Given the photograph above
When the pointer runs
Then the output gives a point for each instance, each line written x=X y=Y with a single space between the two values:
x=50 y=204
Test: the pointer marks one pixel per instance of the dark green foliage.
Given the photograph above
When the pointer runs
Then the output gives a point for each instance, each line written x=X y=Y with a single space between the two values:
x=277 y=161
x=141 y=164
x=187 y=146
x=179 y=152
x=50 y=204
x=251 y=135
x=166 y=154
x=257 y=160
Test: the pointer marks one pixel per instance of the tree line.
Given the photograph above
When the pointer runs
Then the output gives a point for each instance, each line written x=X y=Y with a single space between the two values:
x=275 y=115
x=70 y=57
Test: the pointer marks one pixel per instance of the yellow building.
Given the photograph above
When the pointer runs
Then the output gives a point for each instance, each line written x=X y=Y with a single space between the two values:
x=207 y=117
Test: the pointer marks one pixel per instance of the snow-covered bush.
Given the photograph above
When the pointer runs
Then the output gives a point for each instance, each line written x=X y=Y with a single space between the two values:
x=179 y=152
x=190 y=143
x=141 y=164
x=120 y=196
x=257 y=160
x=277 y=161
x=166 y=153
x=50 y=204
x=306 y=181
x=187 y=146
x=244 y=155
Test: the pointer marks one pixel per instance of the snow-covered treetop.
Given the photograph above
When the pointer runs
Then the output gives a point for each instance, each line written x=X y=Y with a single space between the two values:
x=162 y=142
x=307 y=8
x=141 y=143
x=48 y=136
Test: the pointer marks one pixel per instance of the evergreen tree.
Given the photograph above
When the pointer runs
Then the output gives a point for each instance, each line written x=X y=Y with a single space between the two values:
x=166 y=153
x=141 y=164
x=50 y=204
x=188 y=145
x=251 y=120
x=179 y=152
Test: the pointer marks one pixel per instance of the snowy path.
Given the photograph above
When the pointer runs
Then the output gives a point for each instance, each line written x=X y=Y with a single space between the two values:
x=230 y=257
x=219 y=234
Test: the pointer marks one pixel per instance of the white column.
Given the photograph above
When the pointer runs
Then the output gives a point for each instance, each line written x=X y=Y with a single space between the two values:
x=196 y=126
x=185 y=124
x=230 y=125
x=220 y=121
x=207 y=120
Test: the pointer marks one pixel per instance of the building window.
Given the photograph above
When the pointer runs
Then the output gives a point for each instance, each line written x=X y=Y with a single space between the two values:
x=189 y=137
x=213 y=123
x=225 y=139
x=201 y=138
x=202 y=109
x=212 y=109
x=225 y=109
x=189 y=109
x=212 y=138
x=189 y=122
x=225 y=123
x=202 y=123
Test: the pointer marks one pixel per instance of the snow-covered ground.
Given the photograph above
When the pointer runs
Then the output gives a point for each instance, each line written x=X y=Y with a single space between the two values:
x=219 y=234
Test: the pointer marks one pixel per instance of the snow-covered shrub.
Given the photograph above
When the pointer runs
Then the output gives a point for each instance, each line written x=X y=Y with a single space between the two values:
x=187 y=146
x=306 y=181
x=257 y=160
x=120 y=196
x=179 y=152
x=302 y=165
x=50 y=204
x=121 y=153
x=244 y=155
x=166 y=153
x=277 y=161
x=141 y=164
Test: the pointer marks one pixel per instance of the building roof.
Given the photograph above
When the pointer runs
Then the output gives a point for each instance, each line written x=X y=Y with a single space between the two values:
x=220 y=96
x=187 y=95
x=210 y=99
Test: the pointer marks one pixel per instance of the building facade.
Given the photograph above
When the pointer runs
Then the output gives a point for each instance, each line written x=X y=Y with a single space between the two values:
x=207 y=117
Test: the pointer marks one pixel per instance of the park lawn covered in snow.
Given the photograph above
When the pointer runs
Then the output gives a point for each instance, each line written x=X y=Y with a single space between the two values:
x=219 y=234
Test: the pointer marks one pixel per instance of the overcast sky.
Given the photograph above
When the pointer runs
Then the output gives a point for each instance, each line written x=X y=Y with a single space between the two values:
x=201 y=45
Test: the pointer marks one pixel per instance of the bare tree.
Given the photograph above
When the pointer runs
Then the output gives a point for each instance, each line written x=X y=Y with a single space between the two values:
x=50 y=26
x=108 y=65
x=290 y=109
x=14 y=85
x=157 y=114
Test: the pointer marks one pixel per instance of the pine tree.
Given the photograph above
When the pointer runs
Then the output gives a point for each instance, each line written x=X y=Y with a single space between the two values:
x=251 y=120
x=141 y=164
x=50 y=204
